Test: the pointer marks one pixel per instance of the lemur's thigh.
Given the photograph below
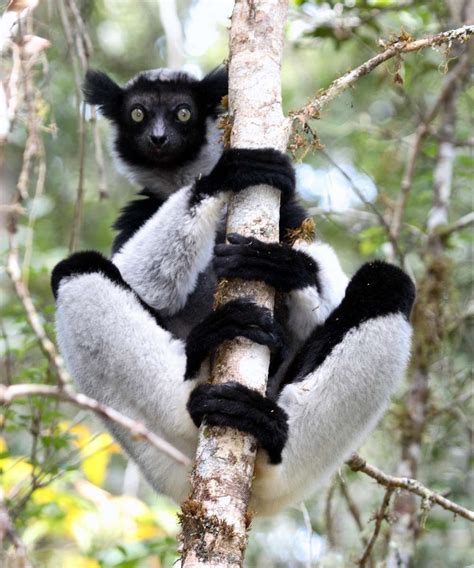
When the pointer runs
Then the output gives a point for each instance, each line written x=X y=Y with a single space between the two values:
x=339 y=383
x=115 y=349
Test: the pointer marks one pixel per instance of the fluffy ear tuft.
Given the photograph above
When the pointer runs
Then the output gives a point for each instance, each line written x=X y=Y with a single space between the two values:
x=100 y=90
x=213 y=87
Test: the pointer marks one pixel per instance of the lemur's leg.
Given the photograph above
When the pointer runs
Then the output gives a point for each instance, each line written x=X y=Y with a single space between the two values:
x=163 y=259
x=336 y=389
x=119 y=355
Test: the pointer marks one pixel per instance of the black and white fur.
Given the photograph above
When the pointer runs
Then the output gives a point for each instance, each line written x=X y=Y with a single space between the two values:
x=136 y=331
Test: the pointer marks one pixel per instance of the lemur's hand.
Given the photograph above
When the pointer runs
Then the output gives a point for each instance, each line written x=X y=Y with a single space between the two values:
x=277 y=264
x=237 y=406
x=240 y=168
x=238 y=318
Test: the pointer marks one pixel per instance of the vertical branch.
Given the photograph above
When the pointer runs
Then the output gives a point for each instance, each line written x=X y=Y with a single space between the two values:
x=214 y=518
x=416 y=145
x=429 y=323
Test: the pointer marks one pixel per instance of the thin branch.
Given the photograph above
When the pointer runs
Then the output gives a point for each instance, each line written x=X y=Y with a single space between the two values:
x=314 y=107
x=353 y=508
x=367 y=203
x=46 y=345
x=356 y=463
x=379 y=518
x=137 y=429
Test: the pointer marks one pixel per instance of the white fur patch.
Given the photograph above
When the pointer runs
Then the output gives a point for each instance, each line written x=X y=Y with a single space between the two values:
x=308 y=307
x=159 y=74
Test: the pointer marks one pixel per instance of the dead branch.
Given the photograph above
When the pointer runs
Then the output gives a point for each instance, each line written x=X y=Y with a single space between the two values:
x=315 y=105
x=356 y=463
x=136 y=429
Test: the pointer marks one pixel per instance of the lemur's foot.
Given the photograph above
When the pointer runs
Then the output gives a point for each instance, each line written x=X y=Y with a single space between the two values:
x=378 y=289
x=238 y=318
x=87 y=262
x=239 y=407
x=239 y=168
x=277 y=264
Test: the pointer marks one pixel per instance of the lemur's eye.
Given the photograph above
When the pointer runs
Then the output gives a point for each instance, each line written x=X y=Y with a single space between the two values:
x=183 y=114
x=137 y=114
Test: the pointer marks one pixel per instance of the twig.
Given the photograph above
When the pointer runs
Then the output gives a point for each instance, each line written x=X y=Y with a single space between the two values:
x=314 y=107
x=353 y=508
x=39 y=187
x=137 y=429
x=379 y=518
x=367 y=203
x=356 y=463
x=46 y=345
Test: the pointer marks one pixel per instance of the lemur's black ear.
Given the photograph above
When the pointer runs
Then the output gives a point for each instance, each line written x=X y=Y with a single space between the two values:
x=214 y=86
x=100 y=90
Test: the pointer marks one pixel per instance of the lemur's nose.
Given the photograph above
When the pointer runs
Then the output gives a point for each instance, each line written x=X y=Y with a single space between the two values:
x=158 y=141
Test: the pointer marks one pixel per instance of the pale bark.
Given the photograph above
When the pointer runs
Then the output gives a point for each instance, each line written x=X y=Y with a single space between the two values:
x=214 y=518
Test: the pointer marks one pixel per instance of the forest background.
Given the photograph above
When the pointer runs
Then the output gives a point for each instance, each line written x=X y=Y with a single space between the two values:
x=385 y=169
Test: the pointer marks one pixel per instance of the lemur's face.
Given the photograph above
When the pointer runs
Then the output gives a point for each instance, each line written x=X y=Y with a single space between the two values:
x=159 y=123
x=159 y=116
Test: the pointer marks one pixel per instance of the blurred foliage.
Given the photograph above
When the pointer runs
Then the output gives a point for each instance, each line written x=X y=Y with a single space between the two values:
x=62 y=477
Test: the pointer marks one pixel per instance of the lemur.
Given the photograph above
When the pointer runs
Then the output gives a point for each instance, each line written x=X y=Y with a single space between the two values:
x=136 y=331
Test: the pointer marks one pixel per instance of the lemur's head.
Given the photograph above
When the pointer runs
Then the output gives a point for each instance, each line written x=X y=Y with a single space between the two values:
x=160 y=116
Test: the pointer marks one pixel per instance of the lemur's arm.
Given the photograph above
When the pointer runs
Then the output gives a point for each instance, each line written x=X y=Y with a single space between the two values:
x=163 y=259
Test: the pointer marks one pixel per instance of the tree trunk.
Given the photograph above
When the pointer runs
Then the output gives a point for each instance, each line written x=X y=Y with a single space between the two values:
x=215 y=518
